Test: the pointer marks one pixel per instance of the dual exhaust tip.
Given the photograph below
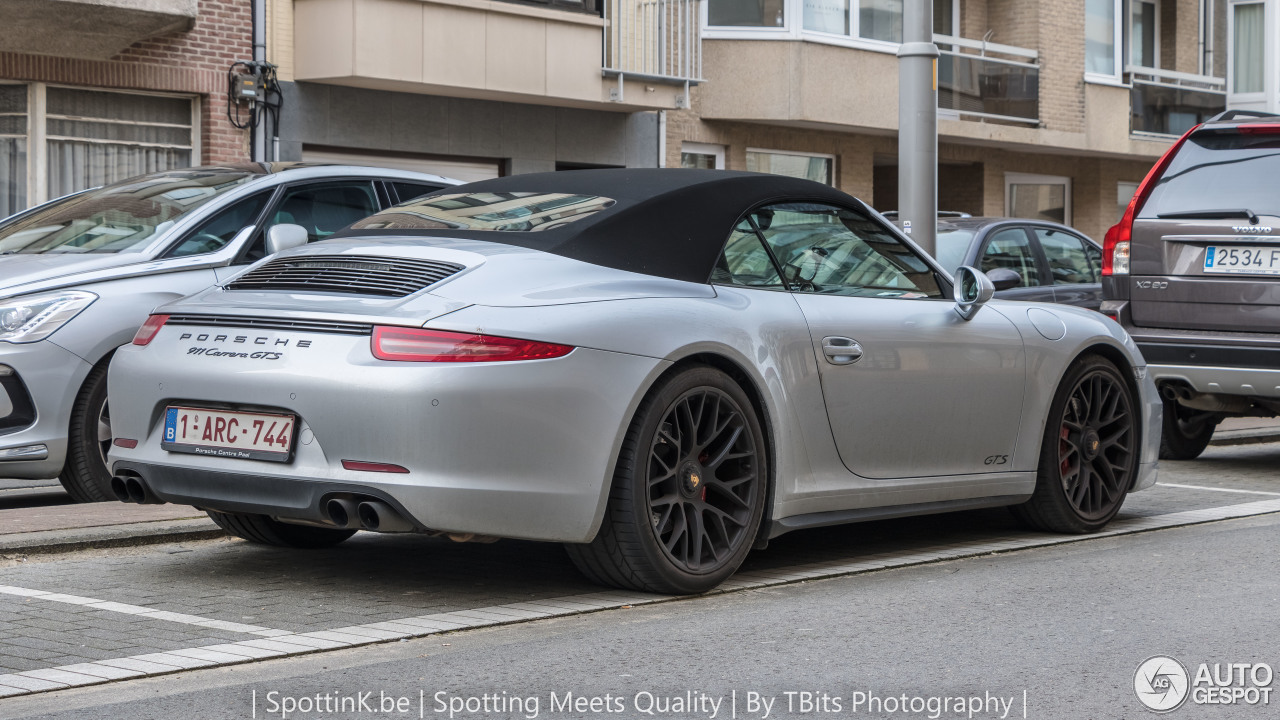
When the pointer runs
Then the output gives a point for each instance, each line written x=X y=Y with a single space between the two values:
x=131 y=489
x=372 y=515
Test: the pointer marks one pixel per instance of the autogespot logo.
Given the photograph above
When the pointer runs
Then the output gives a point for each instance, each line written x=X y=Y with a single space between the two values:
x=1161 y=683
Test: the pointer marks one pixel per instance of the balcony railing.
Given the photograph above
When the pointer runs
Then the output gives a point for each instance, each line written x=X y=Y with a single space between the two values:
x=1170 y=103
x=655 y=40
x=974 y=83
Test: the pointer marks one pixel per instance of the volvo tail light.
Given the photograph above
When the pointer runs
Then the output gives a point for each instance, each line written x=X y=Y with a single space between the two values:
x=422 y=345
x=148 y=331
x=1115 y=245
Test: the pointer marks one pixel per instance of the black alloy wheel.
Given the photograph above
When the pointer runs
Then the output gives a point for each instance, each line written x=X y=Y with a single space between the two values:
x=702 y=473
x=689 y=489
x=1089 y=455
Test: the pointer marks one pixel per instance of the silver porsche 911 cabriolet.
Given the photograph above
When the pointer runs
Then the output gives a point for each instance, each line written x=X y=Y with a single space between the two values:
x=659 y=368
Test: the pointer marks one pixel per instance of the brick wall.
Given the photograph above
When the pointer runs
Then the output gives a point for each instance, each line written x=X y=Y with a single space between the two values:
x=193 y=62
x=1060 y=28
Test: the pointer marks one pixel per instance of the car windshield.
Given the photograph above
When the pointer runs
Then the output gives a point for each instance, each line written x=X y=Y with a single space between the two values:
x=501 y=212
x=952 y=247
x=1212 y=172
x=124 y=217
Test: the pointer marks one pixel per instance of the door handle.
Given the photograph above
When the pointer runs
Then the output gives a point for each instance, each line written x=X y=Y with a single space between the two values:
x=841 y=350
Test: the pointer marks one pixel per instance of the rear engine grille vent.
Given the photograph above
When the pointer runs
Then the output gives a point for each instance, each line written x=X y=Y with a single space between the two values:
x=354 y=274
x=248 y=323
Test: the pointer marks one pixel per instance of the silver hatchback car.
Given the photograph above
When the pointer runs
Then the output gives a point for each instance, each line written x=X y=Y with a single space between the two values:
x=81 y=273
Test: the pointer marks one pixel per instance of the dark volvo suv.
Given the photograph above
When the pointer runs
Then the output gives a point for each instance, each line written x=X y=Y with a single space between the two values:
x=1192 y=271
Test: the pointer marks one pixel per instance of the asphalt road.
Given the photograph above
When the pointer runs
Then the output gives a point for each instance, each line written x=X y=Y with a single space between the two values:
x=1067 y=625
x=1052 y=632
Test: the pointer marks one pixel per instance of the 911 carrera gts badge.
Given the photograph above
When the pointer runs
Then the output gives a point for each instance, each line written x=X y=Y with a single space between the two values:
x=216 y=352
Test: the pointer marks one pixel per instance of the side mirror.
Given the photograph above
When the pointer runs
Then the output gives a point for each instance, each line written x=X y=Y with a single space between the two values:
x=972 y=291
x=1005 y=278
x=285 y=236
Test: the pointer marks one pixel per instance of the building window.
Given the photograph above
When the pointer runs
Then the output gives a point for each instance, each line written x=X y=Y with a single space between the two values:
x=746 y=13
x=1247 y=47
x=97 y=138
x=59 y=140
x=827 y=16
x=1124 y=193
x=1039 y=197
x=702 y=156
x=818 y=168
x=13 y=149
x=1102 y=38
x=1144 y=33
x=880 y=20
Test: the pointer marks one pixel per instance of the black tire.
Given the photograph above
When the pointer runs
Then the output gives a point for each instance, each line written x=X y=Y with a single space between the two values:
x=85 y=475
x=1089 y=453
x=663 y=532
x=1186 y=432
x=263 y=530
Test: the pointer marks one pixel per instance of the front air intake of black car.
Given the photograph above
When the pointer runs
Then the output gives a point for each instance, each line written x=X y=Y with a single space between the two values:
x=350 y=274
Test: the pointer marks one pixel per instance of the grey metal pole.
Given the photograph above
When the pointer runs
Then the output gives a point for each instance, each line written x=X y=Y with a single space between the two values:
x=918 y=125
x=259 y=140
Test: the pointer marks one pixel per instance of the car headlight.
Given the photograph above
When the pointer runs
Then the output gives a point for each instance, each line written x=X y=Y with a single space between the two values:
x=36 y=317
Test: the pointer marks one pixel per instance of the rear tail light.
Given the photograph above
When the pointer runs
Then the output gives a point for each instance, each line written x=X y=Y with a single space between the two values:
x=148 y=331
x=1115 y=245
x=420 y=345
x=1259 y=129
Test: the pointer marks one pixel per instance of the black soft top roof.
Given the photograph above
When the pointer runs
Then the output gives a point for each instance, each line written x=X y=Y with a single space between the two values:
x=670 y=223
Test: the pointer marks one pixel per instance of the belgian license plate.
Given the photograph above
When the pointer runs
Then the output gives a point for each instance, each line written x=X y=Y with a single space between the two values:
x=1264 y=260
x=222 y=433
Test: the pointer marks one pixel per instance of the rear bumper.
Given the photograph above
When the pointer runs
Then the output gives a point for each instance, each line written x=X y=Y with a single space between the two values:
x=520 y=450
x=1245 y=382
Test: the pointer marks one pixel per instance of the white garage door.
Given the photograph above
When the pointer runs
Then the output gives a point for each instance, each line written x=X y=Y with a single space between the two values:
x=459 y=169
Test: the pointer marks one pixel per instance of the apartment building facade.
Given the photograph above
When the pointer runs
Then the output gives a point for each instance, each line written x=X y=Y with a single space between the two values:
x=1047 y=108
x=479 y=88
x=94 y=91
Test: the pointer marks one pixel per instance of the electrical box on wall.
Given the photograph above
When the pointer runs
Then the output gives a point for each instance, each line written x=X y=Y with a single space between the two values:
x=249 y=87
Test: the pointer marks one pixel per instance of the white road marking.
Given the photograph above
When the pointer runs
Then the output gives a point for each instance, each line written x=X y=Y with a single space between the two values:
x=285 y=644
x=142 y=611
x=1219 y=489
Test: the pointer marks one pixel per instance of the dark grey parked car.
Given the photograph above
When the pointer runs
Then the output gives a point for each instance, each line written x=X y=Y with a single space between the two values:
x=1192 y=271
x=1026 y=259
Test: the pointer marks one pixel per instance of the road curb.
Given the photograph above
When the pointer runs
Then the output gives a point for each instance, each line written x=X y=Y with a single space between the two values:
x=1246 y=437
x=107 y=536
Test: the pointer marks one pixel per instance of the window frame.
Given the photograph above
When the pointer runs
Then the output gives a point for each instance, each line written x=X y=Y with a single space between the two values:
x=1016 y=178
x=1118 y=24
x=1268 y=53
x=1155 y=53
x=792 y=28
x=831 y=178
x=701 y=148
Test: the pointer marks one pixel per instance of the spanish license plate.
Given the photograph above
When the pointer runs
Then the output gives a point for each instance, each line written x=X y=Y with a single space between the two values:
x=222 y=433
x=1264 y=260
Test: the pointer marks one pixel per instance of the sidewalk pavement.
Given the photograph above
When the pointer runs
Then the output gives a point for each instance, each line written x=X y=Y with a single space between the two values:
x=35 y=516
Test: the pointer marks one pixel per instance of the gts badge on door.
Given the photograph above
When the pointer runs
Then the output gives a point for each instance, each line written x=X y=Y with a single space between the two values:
x=996 y=460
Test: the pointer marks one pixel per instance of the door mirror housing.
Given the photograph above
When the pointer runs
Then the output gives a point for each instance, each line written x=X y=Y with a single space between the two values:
x=1004 y=278
x=972 y=290
x=285 y=236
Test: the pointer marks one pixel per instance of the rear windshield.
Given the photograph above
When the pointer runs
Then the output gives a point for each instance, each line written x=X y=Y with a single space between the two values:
x=124 y=217
x=499 y=212
x=1219 y=172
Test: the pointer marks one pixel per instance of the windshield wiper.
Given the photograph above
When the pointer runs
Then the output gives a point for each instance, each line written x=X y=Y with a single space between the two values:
x=1211 y=215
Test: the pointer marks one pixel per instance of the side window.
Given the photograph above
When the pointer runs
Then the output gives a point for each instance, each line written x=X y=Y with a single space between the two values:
x=1009 y=248
x=836 y=251
x=1068 y=261
x=213 y=234
x=746 y=262
x=407 y=191
x=325 y=208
